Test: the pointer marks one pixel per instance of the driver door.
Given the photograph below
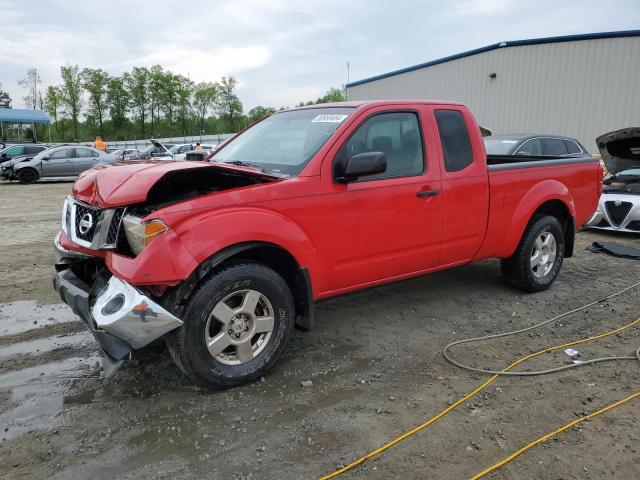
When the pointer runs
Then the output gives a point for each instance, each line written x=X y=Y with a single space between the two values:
x=387 y=225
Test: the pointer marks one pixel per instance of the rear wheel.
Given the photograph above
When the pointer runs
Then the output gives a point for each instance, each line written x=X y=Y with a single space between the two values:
x=536 y=263
x=235 y=326
x=27 y=175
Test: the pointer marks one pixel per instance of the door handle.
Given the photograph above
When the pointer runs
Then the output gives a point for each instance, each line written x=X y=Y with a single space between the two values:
x=427 y=193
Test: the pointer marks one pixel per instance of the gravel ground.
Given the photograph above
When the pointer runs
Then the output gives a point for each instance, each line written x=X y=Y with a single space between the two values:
x=376 y=370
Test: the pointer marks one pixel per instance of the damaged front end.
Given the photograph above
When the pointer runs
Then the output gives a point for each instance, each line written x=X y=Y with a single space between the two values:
x=110 y=222
x=619 y=204
x=120 y=316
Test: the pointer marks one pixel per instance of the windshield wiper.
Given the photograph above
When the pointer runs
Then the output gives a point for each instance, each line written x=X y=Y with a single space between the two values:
x=245 y=164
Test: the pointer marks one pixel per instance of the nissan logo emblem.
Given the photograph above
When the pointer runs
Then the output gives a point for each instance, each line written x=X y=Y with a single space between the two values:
x=85 y=224
x=617 y=203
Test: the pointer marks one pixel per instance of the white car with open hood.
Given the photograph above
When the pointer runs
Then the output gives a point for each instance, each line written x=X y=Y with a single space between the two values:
x=619 y=205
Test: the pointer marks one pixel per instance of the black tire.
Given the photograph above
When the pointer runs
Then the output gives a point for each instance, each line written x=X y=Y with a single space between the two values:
x=27 y=175
x=187 y=344
x=517 y=270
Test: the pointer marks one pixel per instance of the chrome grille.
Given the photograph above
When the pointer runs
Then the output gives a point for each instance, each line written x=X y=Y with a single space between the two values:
x=90 y=226
x=86 y=221
x=617 y=211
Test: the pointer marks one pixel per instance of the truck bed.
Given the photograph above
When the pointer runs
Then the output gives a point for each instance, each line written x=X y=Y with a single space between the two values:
x=513 y=193
x=528 y=161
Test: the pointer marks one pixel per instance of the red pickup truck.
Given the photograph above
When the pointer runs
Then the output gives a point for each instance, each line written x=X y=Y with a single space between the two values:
x=222 y=258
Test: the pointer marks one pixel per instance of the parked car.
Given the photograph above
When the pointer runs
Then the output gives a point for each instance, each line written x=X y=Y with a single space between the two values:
x=155 y=150
x=222 y=258
x=197 y=155
x=125 y=151
x=619 y=205
x=179 y=151
x=28 y=149
x=534 y=145
x=63 y=161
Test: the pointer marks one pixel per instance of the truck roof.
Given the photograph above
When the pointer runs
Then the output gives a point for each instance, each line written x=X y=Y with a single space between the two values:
x=374 y=103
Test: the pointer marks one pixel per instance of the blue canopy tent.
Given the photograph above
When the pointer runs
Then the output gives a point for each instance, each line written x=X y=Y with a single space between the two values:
x=21 y=116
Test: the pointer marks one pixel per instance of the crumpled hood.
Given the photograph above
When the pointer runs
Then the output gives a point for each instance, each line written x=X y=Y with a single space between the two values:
x=620 y=149
x=16 y=160
x=127 y=183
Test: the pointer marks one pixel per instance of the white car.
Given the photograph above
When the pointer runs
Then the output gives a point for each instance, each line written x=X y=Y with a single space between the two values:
x=619 y=205
x=179 y=151
x=125 y=151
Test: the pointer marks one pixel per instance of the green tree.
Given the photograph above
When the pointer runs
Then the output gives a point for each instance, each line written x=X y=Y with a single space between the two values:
x=259 y=112
x=5 y=99
x=117 y=100
x=184 y=91
x=52 y=104
x=71 y=94
x=156 y=86
x=169 y=98
x=228 y=104
x=30 y=84
x=204 y=99
x=332 y=95
x=137 y=84
x=95 y=81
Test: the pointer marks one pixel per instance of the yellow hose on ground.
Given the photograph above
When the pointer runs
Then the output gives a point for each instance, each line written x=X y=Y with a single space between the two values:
x=552 y=434
x=481 y=387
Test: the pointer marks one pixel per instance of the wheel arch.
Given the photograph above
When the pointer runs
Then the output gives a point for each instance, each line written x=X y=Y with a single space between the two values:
x=559 y=210
x=549 y=197
x=27 y=168
x=272 y=255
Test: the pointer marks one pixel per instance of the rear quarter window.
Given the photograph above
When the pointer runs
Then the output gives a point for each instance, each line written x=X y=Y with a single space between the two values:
x=454 y=136
x=572 y=147
x=553 y=146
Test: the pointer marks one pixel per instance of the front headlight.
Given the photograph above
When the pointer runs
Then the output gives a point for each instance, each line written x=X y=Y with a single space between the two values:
x=140 y=234
x=66 y=215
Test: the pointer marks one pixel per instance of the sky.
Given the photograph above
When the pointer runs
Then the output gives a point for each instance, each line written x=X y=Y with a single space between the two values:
x=281 y=51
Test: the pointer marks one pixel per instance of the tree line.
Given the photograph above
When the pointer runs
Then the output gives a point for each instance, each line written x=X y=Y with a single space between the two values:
x=143 y=103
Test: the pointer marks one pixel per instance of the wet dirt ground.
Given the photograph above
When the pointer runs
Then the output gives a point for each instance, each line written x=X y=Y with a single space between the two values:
x=375 y=363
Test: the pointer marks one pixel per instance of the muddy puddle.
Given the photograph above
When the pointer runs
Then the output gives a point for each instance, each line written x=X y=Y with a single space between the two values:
x=40 y=360
x=21 y=316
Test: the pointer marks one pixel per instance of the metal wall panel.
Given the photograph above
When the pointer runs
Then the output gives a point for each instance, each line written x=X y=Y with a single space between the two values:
x=579 y=89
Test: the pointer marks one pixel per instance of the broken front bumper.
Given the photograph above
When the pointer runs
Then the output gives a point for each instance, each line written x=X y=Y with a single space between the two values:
x=120 y=317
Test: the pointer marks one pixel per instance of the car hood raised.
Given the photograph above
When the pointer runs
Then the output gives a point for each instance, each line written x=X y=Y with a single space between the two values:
x=620 y=149
x=127 y=183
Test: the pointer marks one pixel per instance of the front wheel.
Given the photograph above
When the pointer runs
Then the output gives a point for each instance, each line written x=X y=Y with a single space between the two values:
x=27 y=175
x=536 y=263
x=235 y=326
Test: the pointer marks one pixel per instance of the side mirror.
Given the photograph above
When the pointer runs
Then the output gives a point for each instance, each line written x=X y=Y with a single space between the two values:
x=46 y=157
x=360 y=165
x=4 y=155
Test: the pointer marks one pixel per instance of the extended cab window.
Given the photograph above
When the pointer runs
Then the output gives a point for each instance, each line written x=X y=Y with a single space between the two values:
x=397 y=135
x=456 y=145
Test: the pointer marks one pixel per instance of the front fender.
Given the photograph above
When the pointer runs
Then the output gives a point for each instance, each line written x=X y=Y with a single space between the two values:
x=536 y=196
x=206 y=234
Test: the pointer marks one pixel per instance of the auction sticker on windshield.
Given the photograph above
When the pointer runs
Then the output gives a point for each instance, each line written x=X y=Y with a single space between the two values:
x=329 y=118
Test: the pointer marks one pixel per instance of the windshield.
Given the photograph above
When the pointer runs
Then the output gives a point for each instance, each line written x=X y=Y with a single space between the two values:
x=499 y=146
x=285 y=142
